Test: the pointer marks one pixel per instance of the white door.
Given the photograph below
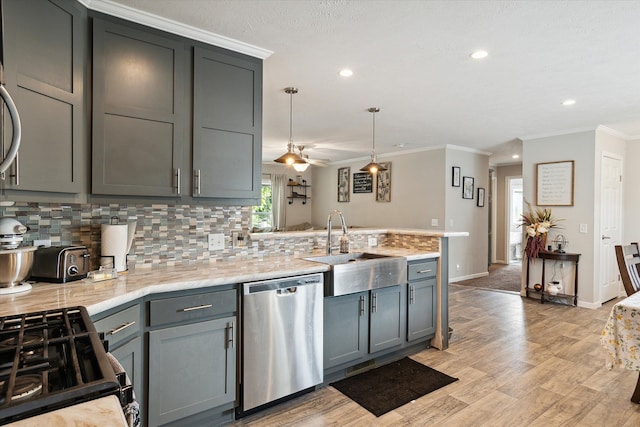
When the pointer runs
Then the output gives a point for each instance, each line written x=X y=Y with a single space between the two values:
x=610 y=226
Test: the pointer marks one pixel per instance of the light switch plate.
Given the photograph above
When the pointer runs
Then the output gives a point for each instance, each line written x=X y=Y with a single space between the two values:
x=373 y=241
x=216 y=242
x=583 y=228
x=434 y=222
x=44 y=243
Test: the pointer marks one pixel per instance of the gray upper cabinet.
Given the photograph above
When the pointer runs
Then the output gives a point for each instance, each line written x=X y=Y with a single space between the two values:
x=44 y=62
x=138 y=111
x=227 y=125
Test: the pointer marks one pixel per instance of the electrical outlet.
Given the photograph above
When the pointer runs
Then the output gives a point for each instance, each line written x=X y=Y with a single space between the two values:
x=373 y=241
x=238 y=239
x=583 y=228
x=434 y=222
x=216 y=242
x=44 y=242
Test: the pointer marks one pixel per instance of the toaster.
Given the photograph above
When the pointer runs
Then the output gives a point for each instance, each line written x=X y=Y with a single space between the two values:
x=60 y=264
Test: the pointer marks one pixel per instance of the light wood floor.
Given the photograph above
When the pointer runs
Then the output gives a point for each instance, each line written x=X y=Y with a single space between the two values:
x=520 y=363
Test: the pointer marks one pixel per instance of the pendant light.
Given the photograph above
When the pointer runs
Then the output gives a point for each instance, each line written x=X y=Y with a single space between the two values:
x=290 y=157
x=373 y=166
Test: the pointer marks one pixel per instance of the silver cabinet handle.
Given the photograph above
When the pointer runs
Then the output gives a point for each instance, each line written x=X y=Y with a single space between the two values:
x=197 y=307
x=178 y=180
x=361 y=306
x=411 y=291
x=121 y=328
x=374 y=298
x=230 y=342
x=197 y=176
x=423 y=271
x=16 y=168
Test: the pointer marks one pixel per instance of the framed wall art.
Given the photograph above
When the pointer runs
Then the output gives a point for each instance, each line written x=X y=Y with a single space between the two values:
x=480 y=201
x=554 y=183
x=383 y=183
x=455 y=176
x=344 y=175
x=467 y=187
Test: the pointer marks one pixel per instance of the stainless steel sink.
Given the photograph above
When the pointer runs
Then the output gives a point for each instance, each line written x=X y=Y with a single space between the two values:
x=361 y=271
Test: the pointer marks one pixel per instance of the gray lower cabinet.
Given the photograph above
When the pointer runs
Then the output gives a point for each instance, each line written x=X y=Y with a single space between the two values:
x=123 y=331
x=346 y=328
x=44 y=69
x=227 y=125
x=138 y=111
x=387 y=321
x=421 y=300
x=358 y=325
x=192 y=356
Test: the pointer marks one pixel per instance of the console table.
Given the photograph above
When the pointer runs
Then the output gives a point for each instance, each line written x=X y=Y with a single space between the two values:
x=554 y=256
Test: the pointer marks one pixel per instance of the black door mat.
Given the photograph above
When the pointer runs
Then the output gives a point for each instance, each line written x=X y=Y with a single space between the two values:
x=388 y=387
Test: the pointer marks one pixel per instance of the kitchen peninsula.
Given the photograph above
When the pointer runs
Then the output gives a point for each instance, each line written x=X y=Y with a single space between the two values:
x=152 y=301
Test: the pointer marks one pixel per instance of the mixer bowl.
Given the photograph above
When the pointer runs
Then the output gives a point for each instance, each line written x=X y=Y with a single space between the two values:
x=15 y=265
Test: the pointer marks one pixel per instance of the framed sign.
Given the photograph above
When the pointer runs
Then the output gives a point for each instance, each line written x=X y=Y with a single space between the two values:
x=343 y=184
x=467 y=187
x=455 y=176
x=362 y=182
x=383 y=183
x=480 y=201
x=554 y=183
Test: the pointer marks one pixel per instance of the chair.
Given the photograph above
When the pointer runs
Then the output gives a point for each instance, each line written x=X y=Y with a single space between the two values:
x=628 y=263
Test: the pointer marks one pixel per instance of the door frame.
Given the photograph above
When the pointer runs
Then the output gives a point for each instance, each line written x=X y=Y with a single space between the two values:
x=507 y=207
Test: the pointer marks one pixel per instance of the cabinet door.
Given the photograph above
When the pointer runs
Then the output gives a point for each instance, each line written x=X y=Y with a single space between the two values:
x=387 y=321
x=421 y=309
x=130 y=357
x=192 y=368
x=345 y=328
x=227 y=125
x=44 y=63
x=138 y=111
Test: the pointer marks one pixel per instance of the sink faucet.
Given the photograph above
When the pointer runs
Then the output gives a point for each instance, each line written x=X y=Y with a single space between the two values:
x=344 y=231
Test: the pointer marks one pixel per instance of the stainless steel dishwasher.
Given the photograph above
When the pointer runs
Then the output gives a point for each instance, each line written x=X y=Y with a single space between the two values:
x=282 y=338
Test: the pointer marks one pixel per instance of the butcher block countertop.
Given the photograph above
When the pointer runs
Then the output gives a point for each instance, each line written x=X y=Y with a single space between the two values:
x=98 y=297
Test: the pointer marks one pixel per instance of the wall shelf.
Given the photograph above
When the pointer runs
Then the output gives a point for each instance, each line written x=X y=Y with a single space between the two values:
x=298 y=191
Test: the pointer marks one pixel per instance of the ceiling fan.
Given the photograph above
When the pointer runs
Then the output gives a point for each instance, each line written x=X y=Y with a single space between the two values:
x=315 y=162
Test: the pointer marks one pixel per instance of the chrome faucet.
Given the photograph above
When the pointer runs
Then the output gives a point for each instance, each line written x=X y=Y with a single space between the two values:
x=344 y=229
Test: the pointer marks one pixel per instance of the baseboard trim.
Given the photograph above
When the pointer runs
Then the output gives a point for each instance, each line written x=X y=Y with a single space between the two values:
x=471 y=276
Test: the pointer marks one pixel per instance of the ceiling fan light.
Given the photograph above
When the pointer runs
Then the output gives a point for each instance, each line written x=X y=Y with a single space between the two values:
x=301 y=167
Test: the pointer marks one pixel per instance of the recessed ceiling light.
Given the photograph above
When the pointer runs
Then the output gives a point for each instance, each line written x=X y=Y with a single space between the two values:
x=479 y=54
x=568 y=102
x=346 y=72
x=515 y=156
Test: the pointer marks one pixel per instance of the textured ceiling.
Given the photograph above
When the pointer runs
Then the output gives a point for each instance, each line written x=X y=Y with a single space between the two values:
x=411 y=59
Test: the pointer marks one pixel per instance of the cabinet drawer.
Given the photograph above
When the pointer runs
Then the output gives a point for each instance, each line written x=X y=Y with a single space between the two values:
x=191 y=307
x=422 y=269
x=120 y=326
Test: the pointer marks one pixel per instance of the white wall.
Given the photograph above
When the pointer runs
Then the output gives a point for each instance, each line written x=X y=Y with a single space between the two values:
x=296 y=212
x=417 y=193
x=468 y=256
x=586 y=149
x=631 y=200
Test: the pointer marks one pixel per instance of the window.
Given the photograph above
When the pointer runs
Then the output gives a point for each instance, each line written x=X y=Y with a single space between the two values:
x=262 y=216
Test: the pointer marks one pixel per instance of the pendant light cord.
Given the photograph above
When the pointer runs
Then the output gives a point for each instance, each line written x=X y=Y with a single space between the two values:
x=291 y=121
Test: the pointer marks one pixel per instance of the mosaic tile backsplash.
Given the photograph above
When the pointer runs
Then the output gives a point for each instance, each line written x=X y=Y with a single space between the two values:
x=172 y=234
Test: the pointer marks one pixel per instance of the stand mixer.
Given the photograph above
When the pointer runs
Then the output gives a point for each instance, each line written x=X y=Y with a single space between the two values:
x=15 y=261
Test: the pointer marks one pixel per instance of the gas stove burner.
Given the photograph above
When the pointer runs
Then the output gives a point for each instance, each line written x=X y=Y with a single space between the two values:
x=26 y=341
x=26 y=387
x=22 y=287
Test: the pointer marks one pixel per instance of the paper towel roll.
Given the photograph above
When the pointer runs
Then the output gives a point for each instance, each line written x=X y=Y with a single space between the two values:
x=114 y=243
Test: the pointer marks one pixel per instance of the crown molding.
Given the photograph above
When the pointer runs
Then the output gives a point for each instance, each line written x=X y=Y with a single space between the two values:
x=467 y=149
x=613 y=132
x=558 y=133
x=158 y=22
